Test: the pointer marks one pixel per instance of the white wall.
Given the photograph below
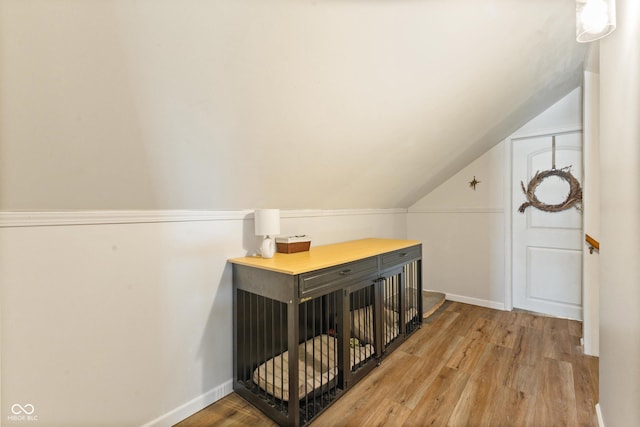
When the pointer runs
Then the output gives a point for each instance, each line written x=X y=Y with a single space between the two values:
x=620 y=219
x=167 y=104
x=462 y=231
x=591 y=213
x=466 y=233
x=109 y=323
x=564 y=114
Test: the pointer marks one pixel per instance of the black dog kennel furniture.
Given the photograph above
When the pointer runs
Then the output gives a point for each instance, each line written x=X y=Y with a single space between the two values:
x=309 y=325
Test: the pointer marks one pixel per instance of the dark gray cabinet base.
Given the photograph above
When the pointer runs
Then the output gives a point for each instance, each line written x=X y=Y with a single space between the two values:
x=301 y=340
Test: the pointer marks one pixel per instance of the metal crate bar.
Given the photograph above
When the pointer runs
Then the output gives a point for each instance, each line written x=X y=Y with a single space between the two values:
x=319 y=354
x=264 y=335
x=362 y=326
x=391 y=308
x=413 y=297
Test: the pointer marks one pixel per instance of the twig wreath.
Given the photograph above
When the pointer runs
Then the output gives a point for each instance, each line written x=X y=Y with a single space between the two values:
x=574 y=198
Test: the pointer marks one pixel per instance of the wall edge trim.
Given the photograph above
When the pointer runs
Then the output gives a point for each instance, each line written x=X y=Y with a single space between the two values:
x=476 y=301
x=303 y=213
x=194 y=405
x=454 y=210
x=58 y=218
x=599 y=415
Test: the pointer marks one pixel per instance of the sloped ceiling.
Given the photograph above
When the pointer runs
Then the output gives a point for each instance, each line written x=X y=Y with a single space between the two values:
x=237 y=104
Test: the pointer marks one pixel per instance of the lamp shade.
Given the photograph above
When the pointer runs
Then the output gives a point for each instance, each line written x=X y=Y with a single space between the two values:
x=267 y=222
x=594 y=19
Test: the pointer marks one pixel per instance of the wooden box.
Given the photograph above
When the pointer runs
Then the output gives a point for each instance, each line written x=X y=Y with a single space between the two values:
x=292 y=245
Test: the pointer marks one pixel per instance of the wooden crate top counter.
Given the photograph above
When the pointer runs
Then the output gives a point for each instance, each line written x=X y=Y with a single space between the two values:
x=325 y=256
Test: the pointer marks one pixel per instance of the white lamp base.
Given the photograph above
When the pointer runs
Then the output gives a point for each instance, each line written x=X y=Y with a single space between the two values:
x=268 y=247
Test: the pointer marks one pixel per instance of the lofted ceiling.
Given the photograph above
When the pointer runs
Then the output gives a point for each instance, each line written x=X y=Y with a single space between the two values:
x=238 y=104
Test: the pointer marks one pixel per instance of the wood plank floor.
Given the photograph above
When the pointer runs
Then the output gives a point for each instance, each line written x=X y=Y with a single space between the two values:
x=466 y=366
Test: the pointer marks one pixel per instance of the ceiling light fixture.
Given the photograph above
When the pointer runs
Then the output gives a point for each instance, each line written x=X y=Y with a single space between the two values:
x=594 y=19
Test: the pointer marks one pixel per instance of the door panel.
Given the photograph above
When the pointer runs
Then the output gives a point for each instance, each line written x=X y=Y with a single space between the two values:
x=547 y=246
x=547 y=266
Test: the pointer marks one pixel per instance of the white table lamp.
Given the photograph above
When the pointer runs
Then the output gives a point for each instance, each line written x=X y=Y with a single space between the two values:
x=267 y=225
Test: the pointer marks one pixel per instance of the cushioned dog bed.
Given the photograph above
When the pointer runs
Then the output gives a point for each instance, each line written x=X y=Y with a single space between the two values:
x=363 y=323
x=317 y=366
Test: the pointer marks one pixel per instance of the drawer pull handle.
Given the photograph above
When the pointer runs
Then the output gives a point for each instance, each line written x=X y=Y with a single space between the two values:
x=345 y=272
x=403 y=254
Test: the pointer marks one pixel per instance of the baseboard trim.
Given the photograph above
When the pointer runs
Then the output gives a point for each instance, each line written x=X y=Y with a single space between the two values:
x=57 y=218
x=599 y=414
x=193 y=406
x=475 y=301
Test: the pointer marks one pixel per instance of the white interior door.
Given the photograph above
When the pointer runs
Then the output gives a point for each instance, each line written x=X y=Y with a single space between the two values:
x=547 y=246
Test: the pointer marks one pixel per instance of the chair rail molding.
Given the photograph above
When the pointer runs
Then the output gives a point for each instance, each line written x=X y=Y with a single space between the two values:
x=79 y=217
